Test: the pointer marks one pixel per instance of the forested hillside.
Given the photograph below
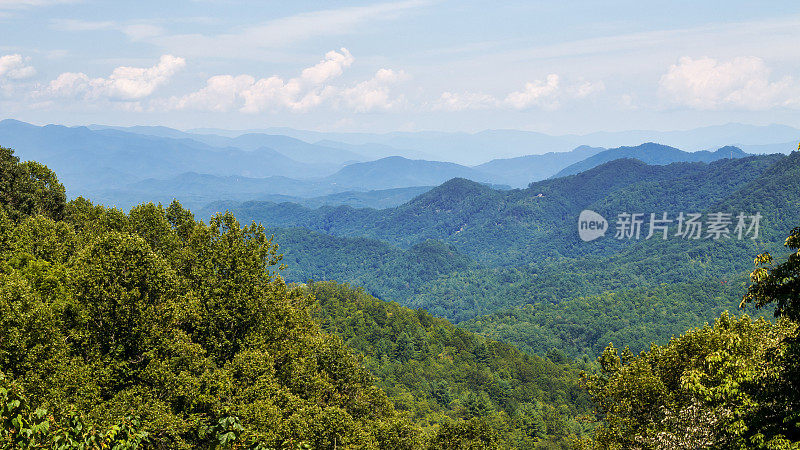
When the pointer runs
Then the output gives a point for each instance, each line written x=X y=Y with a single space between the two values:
x=150 y=329
x=178 y=323
x=375 y=265
x=436 y=371
x=399 y=225
x=581 y=326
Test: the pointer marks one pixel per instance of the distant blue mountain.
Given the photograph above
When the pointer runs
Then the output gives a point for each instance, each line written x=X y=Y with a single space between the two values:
x=768 y=149
x=481 y=147
x=196 y=191
x=702 y=138
x=377 y=151
x=381 y=177
x=650 y=153
x=124 y=166
x=87 y=160
x=462 y=148
x=520 y=171
x=288 y=146
x=396 y=171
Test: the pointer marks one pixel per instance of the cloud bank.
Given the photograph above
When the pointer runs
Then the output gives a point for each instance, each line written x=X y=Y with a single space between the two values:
x=311 y=89
x=14 y=67
x=124 y=83
x=547 y=94
x=740 y=83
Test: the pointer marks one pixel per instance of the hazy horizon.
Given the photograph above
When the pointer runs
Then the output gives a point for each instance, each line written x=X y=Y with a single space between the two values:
x=277 y=129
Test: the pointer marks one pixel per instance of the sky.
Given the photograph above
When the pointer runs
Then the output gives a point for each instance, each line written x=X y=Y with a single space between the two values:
x=409 y=65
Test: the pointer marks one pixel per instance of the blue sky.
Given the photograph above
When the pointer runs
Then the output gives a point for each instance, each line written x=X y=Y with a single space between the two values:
x=556 y=67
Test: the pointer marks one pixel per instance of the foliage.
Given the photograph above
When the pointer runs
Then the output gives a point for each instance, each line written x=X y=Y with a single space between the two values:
x=180 y=323
x=441 y=374
x=380 y=268
x=26 y=428
x=779 y=284
x=581 y=327
x=474 y=434
x=28 y=188
x=710 y=387
x=153 y=329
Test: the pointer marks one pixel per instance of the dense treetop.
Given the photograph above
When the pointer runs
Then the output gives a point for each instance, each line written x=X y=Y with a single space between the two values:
x=180 y=323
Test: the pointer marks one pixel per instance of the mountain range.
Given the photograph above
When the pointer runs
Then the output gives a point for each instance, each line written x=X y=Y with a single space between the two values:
x=430 y=276
x=480 y=147
x=290 y=147
x=89 y=159
x=522 y=225
x=123 y=166
x=525 y=276
x=650 y=153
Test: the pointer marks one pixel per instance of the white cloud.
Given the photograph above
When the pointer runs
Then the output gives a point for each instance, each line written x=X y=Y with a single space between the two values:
x=124 y=83
x=333 y=66
x=310 y=90
x=545 y=94
x=374 y=94
x=221 y=94
x=273 y=94
x=14 y=67
x=587 y=88
x=743 y=83
x=542 y=93
x=297 y=94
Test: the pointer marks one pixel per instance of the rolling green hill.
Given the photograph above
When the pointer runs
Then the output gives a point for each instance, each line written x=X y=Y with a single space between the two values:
x=393 y=273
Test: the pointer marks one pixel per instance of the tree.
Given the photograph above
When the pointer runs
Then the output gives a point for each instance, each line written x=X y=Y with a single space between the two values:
x=473 y=434
x=106 y=315
x=710 y=387
x=29 y=188
x=778 y=284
